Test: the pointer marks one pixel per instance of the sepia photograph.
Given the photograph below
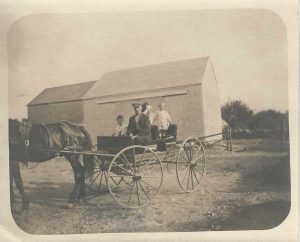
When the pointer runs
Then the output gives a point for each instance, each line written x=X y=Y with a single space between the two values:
x=148 y=121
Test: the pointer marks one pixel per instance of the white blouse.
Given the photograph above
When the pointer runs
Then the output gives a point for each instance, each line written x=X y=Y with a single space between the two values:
x=162 y=119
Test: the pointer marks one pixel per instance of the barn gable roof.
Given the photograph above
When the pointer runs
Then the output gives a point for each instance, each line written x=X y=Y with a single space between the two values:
x=62 y=93
x=158 y=76
x=134 y=80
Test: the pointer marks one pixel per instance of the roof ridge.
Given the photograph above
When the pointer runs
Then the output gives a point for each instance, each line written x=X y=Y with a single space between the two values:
x=158 y=64
x=77 y=93
x=73 y=84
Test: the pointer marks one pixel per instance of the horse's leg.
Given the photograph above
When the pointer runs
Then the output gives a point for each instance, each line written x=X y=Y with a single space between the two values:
x=19 y=184
x=11 y=181
x=88 y=169
x=82 y=184
x=77 y=169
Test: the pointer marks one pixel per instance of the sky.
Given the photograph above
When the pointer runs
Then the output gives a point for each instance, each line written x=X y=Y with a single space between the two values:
x=248 y=50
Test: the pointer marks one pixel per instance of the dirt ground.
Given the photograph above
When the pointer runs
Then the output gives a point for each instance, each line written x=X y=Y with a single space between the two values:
x=241 y=190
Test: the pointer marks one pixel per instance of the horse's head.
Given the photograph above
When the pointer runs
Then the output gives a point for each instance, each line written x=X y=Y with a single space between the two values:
x=18 y=131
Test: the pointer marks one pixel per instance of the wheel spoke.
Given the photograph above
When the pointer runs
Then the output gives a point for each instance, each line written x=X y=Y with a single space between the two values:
x=187 y=186
x=144 y=190
x=194 y=157
x=192 y=178
x=187 y=154
x=186 y=169
x=185 y=158
x=91 y=174
x=130 y=195
x=149 y=185
x=144 y=168
x=95 y=178
x=105 y=176
x=123 y=169
x=128 y=163
x=195 y=176
x=201 y=173
x=100 y=181
x=197 y=158
x=149 y=177
x=137 y=193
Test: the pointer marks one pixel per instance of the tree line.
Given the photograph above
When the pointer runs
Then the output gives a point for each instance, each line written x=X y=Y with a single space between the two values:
x=240 y=117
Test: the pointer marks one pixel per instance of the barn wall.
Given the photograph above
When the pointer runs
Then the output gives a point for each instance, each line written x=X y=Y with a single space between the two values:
x=211 y=103
x=185 y=110
x=99 y=118
x=55 y=112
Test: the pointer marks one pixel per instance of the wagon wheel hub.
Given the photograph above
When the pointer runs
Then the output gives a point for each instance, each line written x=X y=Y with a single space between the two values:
x=136 y=178
x=103 y=167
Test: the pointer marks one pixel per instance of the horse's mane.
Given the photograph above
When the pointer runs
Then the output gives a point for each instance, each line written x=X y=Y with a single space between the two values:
x=14 y=122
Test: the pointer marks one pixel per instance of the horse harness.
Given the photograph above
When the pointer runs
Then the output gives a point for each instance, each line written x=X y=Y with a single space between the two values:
x=67 y=146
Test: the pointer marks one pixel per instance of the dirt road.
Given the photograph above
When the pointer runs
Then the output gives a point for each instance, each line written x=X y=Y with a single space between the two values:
x=246 y=190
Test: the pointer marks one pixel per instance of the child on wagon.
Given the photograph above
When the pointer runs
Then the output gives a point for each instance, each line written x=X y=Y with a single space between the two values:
x=162 y=119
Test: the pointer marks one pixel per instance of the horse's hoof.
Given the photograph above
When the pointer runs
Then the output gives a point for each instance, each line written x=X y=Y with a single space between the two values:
x=70 y=205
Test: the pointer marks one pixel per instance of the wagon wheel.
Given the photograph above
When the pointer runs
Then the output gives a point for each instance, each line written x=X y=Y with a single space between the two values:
x=142 y=173
x=96 y=179
x=169 y=157
x=190 y=164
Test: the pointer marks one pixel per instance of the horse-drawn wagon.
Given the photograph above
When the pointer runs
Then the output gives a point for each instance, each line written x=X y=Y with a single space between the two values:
x=132 y=173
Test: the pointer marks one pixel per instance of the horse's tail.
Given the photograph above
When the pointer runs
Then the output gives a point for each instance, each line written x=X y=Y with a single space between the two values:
x=89 y=144
x=88 y=160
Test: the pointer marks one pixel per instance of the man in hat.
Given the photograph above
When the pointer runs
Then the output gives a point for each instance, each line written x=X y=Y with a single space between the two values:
x=139 y=126
x=146 y=109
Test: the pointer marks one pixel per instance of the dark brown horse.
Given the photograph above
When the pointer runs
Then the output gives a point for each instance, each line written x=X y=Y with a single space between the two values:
x=24 y=140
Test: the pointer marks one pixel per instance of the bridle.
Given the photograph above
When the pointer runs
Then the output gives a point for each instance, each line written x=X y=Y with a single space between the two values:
x=27 y=126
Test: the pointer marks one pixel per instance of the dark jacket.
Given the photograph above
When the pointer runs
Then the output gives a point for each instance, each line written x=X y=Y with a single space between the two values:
x=142 y=127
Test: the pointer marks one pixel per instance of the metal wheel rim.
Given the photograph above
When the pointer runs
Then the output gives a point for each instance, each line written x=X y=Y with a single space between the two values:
x=190 y=172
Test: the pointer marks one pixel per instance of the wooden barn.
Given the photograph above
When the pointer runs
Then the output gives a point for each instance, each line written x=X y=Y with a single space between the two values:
x=188 y=87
